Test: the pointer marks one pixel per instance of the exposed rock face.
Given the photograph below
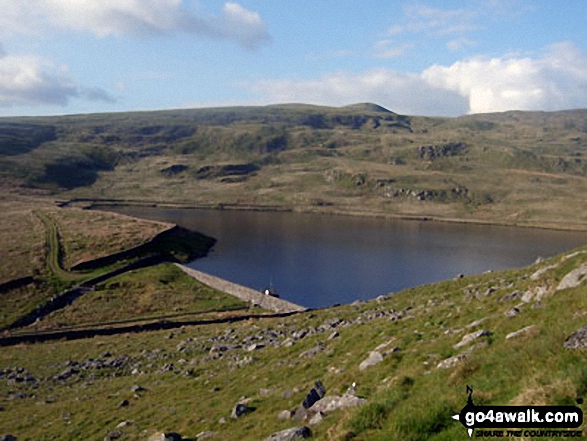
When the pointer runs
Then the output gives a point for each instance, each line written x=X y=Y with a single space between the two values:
x=292 y=434
x=577 y=340
x=574 y=278
x=432 y=152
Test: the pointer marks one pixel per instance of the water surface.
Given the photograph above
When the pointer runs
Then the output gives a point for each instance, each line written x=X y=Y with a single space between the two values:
x=319 y=260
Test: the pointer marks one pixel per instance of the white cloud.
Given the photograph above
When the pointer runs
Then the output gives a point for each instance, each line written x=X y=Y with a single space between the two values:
x=30 y=80
x=131 y=17
x=436 y=21
x=555 y=80
x=400 y=92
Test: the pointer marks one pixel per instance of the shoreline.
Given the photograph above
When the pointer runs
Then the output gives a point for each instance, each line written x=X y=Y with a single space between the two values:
x=98 y=203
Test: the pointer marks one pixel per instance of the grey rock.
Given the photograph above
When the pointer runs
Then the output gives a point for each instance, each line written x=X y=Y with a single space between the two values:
x=333 y=402
x=124 y=403
x=574 y=278
x=239 y=410
x=204 y=435
x=516 y=295
x=315 y=394
x=316 y=419
x=510 y=313
x=375 y=357
x=312 y=352
x=165 y=436
x=451 y=362
x=7 y=438
x=113 y=434
x=136 y=388
x=124 y=424
x=472 y=336
x=334 y=335
x=67 y=373
x=520 y=332
x=541 y=271
x=292 y=434
x=476 y=323
x=285 y=415
x=577 y=340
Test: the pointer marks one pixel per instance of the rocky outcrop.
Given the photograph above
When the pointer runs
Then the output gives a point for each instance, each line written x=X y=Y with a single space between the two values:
x=432 y=152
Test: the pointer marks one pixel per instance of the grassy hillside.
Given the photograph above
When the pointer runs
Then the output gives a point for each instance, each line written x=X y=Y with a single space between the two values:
x=190 y=380
x=523 y=168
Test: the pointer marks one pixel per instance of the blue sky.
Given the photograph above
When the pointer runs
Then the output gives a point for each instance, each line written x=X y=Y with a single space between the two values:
x=414 y=57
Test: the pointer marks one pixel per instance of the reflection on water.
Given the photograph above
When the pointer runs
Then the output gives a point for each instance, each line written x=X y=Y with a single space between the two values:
x=318 y=260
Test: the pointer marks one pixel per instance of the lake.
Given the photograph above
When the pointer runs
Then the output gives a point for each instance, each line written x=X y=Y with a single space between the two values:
x=320 y=260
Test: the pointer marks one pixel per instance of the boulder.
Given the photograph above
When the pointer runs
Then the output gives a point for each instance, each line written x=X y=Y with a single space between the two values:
x=334 y=402
x=285 y=415
x=520 y=332
x=204 y=435
x=239 y=410
x=577 y=340
x=510 y=313
x=472 y=336
x=7 y=438
x=451 y=362
x=165 y=436
x=114 y=434
x=315 y=394
x=574 y=278
x=374 y=358
x=316 y=419
x=292 y=434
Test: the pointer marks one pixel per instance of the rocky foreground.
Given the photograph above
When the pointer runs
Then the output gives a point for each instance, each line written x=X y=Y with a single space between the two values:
x=396 y=366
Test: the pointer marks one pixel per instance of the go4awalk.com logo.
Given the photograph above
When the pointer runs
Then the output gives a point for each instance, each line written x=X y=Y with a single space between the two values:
x=518 y=421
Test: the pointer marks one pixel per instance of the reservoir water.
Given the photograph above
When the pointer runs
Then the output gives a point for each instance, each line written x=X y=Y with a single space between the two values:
x=319 y=260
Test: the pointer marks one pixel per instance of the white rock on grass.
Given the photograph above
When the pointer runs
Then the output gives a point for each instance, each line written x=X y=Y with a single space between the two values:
x=451 y=362
x=574 y=278
x=520 y=332
x=472 y=336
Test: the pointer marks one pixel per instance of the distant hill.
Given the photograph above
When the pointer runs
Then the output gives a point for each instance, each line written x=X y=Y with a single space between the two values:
x=524 y=168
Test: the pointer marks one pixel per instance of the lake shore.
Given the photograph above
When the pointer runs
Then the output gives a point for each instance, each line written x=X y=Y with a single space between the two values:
x=96 y=203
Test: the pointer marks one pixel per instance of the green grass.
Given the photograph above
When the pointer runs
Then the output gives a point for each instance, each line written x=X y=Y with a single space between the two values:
x=408 y=397
x=163 y=291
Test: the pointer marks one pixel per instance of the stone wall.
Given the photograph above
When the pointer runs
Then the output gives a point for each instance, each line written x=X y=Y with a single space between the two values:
x=242 y=292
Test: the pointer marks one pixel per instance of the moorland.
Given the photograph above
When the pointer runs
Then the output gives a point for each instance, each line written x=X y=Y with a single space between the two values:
x=395 y=367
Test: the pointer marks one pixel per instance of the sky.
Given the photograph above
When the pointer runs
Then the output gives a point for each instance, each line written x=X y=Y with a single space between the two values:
x=434 y=58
